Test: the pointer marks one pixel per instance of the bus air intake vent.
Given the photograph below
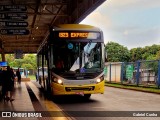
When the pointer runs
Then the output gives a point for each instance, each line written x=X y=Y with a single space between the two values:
x=70 y=89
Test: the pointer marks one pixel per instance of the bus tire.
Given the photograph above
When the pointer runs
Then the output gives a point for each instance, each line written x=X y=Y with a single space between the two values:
x=87 y=96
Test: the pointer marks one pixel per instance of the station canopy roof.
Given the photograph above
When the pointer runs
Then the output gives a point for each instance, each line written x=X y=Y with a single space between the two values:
x=24 y=24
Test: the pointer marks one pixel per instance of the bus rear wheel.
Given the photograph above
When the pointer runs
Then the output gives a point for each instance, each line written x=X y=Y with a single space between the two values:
x=87 y=96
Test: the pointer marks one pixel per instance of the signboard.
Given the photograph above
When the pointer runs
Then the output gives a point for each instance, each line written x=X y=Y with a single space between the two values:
x=18 y=54
x=12 y=16
x=14 y=32
x=3 y=64
x=12 y=19
x=13 y=24
x=129 y=71
x=13 y=8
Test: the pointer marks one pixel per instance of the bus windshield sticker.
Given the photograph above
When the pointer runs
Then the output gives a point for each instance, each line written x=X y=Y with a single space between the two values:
x=70 y=46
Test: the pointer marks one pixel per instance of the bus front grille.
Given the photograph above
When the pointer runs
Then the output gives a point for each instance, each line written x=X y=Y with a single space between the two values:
x=70 y=89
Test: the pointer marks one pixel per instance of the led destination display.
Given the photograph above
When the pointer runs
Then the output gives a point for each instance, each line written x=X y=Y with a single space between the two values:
x=86 y=35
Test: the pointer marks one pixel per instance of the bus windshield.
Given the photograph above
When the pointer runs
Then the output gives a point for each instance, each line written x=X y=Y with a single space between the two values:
x=78 y=57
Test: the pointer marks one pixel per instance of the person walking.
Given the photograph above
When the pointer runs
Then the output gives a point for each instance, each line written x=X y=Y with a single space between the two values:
x=13 y=75
x=18 y=74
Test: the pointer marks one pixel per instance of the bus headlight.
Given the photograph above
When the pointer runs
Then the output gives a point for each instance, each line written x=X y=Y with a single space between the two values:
x=59 y=81
x=100 y=79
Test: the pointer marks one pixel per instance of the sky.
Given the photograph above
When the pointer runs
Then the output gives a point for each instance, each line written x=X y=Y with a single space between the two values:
x=131 y=23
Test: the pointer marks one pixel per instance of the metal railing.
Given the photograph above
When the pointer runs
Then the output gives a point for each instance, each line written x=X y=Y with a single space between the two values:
x=144 y=73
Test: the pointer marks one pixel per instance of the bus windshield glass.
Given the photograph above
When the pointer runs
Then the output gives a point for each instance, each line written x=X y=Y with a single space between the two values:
x=78 y=57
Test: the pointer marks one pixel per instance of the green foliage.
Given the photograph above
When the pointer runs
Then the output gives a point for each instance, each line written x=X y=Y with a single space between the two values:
x=28 y=66
x=9 y=57
x=29 y=61
x=16 y=63
x=136 y=54
x=117 y=53
x=158 y=55
x=154 y=65
x=146 y=53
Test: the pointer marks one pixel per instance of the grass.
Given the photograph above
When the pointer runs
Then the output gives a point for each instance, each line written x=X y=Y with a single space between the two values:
x=152 y=89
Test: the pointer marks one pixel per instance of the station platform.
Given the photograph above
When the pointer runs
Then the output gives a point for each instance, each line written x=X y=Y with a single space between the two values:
x=31 y=104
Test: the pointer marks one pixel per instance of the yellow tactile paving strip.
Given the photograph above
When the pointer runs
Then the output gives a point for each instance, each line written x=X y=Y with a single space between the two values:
x=48 y=104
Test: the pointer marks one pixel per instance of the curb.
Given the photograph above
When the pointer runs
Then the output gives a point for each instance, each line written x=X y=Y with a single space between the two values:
x=133 y=89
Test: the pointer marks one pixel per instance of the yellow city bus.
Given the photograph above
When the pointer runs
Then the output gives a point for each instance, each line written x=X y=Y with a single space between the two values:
x=80 y=51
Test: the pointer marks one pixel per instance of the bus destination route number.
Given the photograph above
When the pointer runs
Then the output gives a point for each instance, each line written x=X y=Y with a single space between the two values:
x=73 y=35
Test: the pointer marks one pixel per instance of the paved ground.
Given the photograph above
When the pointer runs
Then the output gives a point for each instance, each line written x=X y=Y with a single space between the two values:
x=115 y=102
x=114 y=99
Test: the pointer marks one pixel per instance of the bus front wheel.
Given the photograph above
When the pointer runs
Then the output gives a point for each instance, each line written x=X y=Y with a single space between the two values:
x=87 y=96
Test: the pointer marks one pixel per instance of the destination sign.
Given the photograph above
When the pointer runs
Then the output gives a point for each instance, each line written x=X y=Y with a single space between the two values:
x=13 y=24
x=72 y=35
x=18 y=54
x=14 y=32
x=15 y=8
x=12 y=16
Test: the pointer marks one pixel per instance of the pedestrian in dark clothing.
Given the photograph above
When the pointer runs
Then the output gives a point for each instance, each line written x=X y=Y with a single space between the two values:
x=1 y=78
x=13 y=76
x=18 y=74
x=8 y=84
x=36 y=75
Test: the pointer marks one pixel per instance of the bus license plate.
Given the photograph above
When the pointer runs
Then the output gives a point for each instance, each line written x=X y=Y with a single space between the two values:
x=80 y=93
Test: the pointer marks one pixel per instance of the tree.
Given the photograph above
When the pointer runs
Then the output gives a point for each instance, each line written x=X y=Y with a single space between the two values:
x=117 y=52
x=136 y=54
x=158 y=55
x=27 y=66
x=28 y=61
x=16 y=63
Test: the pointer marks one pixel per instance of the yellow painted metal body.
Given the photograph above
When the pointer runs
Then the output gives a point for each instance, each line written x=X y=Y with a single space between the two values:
x=58 y=89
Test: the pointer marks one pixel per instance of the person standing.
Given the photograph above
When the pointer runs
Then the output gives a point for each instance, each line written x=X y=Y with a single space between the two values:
x=1 y=78
x=8 y=84
x=59 y=64
x=18 y=74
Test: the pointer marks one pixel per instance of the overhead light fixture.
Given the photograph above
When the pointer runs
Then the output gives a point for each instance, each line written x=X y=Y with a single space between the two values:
x=37 y=27
x=33 y=38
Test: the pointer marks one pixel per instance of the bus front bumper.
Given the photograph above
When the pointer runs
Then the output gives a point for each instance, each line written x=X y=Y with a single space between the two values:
x=58 y=89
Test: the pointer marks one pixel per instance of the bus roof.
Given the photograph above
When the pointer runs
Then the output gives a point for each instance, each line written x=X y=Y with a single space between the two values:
x=75 y=27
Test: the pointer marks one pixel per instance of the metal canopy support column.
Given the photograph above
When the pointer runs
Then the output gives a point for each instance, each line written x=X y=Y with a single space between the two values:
x=138 y=73
x=2 y=51
x=110 y=73
x=3 y=55
x=122 y=72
